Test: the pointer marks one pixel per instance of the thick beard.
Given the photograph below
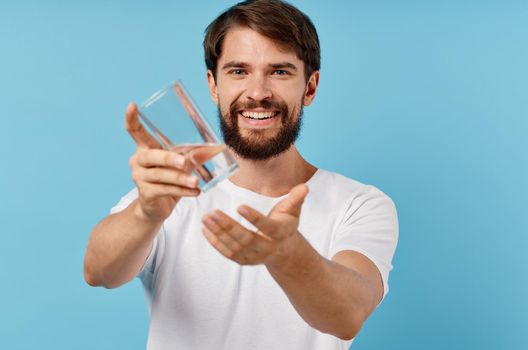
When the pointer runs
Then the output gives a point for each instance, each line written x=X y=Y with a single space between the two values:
x=257 y=146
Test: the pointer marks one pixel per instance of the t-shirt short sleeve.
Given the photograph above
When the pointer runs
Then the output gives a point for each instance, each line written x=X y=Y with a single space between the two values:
x=147 y=272
x=125 y=201
x=370 y=227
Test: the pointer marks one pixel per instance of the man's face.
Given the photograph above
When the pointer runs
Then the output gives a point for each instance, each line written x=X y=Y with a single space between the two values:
x=260 y=90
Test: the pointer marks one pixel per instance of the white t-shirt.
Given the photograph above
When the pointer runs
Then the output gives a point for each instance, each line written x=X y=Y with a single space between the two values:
x=199 y=299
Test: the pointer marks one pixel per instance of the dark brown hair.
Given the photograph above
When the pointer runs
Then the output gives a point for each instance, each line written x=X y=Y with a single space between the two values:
x=275 y=19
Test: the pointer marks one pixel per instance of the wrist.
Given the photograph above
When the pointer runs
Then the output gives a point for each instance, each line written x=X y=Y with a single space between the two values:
x=288 y=254
x=302 y=262
x=142 y=218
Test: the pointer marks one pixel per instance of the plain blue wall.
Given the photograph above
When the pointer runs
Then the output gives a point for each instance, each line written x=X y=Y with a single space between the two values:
x=426 y=100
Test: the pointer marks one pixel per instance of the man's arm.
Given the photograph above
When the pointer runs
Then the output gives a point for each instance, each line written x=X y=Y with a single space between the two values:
x=118 y=247
x=334 y=296
x=119 y=244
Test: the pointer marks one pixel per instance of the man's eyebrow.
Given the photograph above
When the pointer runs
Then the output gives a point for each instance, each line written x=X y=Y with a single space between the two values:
x=234 y=64
x=283 y=65
x=238 y=64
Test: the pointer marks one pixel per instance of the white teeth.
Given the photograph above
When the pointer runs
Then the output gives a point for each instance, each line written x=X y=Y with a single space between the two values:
x=258 y=115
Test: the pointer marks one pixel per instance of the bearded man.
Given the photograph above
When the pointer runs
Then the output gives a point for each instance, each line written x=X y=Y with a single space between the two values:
x=282 y=255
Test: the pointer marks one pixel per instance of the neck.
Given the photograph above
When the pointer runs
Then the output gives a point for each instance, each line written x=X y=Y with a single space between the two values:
x=273 y=177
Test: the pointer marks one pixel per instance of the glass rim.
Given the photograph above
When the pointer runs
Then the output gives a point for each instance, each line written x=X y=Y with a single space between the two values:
x=162 y=92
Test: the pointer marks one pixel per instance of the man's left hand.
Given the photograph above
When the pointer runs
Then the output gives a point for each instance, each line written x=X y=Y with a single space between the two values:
x=272 y=242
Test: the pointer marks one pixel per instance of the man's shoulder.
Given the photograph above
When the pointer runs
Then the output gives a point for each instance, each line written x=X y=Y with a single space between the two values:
x=339 y=182
x=338 y=185
x=338 y=179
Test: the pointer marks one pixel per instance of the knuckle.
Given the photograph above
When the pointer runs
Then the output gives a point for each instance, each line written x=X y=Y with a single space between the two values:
x=132 y=161
x=168 y=159
x=145 y=156
x=135 y=175
x=155 y=175
x=140 y=157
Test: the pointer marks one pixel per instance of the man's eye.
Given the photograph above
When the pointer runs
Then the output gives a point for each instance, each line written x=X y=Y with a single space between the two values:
x=237 y=71
x=280 y=72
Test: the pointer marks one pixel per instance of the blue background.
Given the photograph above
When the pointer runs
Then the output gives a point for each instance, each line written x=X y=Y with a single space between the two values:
x=426 y=100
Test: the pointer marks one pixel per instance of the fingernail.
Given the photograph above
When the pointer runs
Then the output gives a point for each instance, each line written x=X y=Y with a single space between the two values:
x=243 y=211
x=216 y=217
x=179 y=161
x=191 y=181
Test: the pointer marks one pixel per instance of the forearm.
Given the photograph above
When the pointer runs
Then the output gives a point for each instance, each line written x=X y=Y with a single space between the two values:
x=330 y=297
x=118 y=247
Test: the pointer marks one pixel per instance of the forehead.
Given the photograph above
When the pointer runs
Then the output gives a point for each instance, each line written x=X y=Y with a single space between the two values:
x=246 y=45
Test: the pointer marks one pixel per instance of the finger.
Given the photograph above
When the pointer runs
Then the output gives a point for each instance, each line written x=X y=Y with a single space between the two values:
x=223 y=224
x=259 y=220
x=152 y=191
x=222 y=227
x=293 y=203
x=249 y=258
x=201 y=155
x=217 y=244
x=224 y=237
x=165 y=176
x=204 y=173
x=136 y=129
x=242 y=254
x=149 y=158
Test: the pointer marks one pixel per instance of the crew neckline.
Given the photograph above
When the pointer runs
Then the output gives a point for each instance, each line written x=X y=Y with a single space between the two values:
x=230 y=187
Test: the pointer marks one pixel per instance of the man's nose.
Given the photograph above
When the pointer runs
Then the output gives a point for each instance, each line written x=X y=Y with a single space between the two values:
x=259 y=88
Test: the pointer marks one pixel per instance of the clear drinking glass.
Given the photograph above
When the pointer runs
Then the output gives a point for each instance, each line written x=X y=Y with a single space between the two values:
x=172 y=118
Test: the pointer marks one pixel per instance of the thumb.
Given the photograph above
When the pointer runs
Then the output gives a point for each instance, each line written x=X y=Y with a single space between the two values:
x=293 y=203
x=203 y=153
x=136 y=130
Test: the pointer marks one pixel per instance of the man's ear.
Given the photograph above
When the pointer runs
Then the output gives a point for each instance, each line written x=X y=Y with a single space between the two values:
x=311 y=88
x=213 y=91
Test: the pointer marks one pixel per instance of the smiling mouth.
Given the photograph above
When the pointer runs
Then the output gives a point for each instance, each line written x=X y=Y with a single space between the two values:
x=259 y=115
